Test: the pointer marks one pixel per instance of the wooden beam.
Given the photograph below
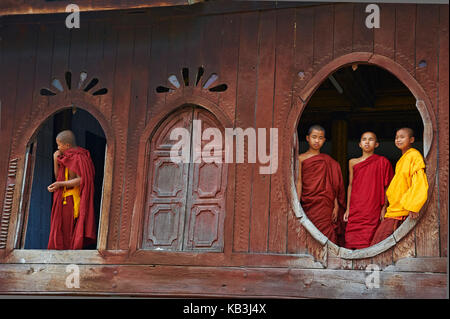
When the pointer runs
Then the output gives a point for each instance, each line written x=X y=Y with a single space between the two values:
x=151 y=280
x=12 y=7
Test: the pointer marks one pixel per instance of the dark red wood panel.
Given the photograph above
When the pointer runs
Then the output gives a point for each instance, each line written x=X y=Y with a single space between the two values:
x=384 y=37
x=158 y=69
x=259 y=218
x=138 y=106
x=323 y=36
x=227 y=102
x=405 y=36
x=279 y=207
x=304 y=45
x=362 y=35
x=245 y=117
x=120 y=122
x=443 y=127
x=427 y=49
x=343 y=29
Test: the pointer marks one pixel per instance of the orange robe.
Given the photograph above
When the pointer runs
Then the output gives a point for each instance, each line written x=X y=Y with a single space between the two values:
x=322 y=183
x=407 y=192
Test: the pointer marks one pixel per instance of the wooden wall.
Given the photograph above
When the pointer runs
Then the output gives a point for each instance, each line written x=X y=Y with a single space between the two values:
x=258 y=54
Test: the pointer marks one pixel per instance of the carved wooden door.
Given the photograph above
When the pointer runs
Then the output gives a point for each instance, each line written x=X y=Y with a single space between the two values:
x=185 y=206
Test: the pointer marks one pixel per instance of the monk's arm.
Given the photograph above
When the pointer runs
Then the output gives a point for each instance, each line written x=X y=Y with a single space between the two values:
x=349 y=189
x=71 y=182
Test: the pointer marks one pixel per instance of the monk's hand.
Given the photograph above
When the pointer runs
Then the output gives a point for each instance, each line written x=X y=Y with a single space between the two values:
x=383 y=212
x=346 y=216
x=334 y=216
x=414 y=215
x=56 y=154
x=53 y=187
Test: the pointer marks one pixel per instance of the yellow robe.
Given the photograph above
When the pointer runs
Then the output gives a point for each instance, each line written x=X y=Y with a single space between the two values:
x=409 y=188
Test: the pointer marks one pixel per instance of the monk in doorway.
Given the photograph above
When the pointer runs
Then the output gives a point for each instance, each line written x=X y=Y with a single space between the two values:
x=369 y=177
x=408 y=190
x=320 y=187
x=72 y=223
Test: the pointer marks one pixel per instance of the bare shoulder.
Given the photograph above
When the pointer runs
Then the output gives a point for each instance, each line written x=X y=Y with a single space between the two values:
x=302 y=157
x=354 y=161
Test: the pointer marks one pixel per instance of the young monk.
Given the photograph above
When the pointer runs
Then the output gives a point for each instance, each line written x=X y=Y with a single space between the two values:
x=320 y=187
x=72 y=223
x=369 y=176
x=407 y=192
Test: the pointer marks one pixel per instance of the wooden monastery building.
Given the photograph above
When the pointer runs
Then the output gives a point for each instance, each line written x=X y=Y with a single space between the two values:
x=134 y=70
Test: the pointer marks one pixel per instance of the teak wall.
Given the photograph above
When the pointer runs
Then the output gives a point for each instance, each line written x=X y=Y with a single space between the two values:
x=258 y=54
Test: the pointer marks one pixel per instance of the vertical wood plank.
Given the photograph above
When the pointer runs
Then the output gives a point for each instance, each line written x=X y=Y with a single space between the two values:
x=427 y=48
x=175 y=58
x=443 y=127
x=94 y=59
x=194 y=51
x=212 y=41
x=343 y=29
x=323 y=35
x=107 y=68
x=284 y=72
x=384 y=37
x=263 y=119
x=405 y=36
x=245 y=108
x=158 y=68
x=362 y=36
x=227 y=102
x=229 y=64
x=120 y=113
x=304 y=45
x=138 y=105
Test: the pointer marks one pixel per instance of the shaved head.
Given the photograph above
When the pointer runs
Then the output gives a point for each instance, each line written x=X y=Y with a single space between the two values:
x=317 y=128
x=67 y=137
x=408 y=130
x=370 y=132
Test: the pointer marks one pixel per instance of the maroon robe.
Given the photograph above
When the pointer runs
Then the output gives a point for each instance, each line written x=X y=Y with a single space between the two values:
x=321 y=183
x=65 y=231
x=370 y=179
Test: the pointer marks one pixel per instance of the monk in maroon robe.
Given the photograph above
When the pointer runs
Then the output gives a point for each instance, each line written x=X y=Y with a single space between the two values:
x=321 y=189
x=371 y=177
x=72 y=219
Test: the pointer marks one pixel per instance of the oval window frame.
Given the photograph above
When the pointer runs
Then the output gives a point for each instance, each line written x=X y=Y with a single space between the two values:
x=303 y=92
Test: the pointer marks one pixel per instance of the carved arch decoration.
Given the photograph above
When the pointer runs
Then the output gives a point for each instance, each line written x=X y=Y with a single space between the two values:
x=302 y=92
x=47 y=105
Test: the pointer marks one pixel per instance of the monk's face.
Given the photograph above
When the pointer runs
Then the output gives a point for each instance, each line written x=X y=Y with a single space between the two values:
x=403 y=140
x=368 y=142
x=62 y=147
x=316 y=139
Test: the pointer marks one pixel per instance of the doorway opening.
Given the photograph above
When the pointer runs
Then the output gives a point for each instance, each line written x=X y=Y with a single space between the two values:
x=34 y=218
x=355 y=99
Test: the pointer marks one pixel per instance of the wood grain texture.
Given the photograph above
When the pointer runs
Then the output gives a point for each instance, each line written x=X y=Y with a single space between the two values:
x=443 y=127
x=282 y=103
x=221 y=281
x=263 y=119
x=245 y=117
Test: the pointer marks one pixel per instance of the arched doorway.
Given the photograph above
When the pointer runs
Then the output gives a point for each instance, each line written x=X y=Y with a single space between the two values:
x=185 y=202
x=35 y=219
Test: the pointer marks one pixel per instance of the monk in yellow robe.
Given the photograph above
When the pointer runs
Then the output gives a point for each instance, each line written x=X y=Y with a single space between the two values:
x=408 y=190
